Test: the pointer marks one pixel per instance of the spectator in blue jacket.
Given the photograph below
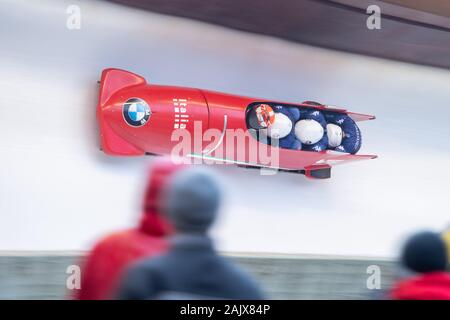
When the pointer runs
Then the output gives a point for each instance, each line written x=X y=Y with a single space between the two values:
x=192 y=268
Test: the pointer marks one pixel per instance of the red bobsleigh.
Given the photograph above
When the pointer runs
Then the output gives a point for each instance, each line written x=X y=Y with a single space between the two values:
x=137 y=118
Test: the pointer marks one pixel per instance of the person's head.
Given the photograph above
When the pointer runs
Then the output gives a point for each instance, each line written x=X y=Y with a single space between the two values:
x=425 y=252
x=280 y=127
x=309 y=131
x=335 y=135
x=265 y=115
x=159 y=174
x=191 y=200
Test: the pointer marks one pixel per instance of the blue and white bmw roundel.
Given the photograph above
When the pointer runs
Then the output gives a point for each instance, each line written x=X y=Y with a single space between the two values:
x=136 y=112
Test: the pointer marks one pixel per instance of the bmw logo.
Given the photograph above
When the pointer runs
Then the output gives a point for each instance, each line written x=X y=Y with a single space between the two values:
x=136 y=112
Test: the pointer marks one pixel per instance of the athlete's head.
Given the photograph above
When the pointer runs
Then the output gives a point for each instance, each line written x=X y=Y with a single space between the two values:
x=261 y=116
x=280 y=127
x=308 y=131
x=335 y=134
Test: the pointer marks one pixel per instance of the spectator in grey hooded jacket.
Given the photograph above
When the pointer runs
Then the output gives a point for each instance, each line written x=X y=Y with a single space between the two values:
x=192 y=268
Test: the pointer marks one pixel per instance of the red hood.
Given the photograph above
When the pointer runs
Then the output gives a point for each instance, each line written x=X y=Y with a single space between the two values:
x=429 y=286
x=152 y=222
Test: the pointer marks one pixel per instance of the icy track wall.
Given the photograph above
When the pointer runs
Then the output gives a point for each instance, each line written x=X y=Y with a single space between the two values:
x=59 y=192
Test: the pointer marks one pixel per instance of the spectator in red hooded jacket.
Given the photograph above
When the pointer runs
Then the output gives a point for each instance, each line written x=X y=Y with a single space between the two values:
x=111 y=255
x=425 y=253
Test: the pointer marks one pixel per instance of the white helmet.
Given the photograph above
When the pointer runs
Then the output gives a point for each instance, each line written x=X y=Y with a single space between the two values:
x=308 y=131
x=334 y=133
x=280 y=127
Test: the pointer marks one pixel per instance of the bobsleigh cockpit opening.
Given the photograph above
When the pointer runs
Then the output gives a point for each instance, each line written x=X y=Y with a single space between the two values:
x=302 y=128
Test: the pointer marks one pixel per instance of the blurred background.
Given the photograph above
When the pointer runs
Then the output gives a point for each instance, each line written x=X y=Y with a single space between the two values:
x=59 y=192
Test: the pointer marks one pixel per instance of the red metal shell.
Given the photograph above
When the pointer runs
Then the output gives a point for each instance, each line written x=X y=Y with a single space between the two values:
x=212 y=121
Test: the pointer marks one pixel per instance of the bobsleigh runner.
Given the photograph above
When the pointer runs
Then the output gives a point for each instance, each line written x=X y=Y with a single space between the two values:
x=136 y=118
